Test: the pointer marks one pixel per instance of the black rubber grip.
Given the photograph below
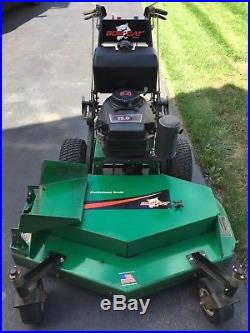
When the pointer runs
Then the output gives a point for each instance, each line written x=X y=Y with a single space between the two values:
x=161 y=11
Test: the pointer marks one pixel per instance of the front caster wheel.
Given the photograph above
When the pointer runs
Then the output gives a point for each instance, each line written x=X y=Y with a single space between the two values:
x=33 y=313
x=209 y=295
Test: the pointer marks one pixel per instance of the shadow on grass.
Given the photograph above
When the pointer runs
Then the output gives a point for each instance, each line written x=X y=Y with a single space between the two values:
x=216 y=120
x=206 y=109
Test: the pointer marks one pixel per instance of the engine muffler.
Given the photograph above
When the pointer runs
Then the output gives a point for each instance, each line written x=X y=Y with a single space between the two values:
x=168 y=128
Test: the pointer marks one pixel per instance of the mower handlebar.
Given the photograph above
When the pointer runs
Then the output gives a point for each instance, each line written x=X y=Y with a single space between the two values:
x=149 y=12
x=99 y=11
x=155 y=12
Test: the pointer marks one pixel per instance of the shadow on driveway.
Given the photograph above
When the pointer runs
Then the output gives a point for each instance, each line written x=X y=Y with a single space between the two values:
x=22 y=13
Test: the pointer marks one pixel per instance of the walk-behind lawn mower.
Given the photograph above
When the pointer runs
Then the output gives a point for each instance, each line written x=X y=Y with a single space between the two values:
x=120 y=215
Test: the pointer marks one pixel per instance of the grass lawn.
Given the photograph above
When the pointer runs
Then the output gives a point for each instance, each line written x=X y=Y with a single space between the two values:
x=204 y=54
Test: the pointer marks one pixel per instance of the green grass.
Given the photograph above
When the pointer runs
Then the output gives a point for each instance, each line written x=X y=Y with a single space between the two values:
x=204 y=54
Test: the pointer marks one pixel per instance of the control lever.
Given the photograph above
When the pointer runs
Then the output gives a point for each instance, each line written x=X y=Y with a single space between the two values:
x=88 y=12
x=88 y=17
x=158 y=16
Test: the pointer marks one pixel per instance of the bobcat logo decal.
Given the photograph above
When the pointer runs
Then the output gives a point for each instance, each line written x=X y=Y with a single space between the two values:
x=124 y=28
x=123 y=31
x=155 y=202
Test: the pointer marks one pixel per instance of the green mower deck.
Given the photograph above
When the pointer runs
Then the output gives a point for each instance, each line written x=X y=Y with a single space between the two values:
x=120 y=234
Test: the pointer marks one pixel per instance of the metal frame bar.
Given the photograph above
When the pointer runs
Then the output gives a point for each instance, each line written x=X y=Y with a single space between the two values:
x=230 y=284
x=23 y=283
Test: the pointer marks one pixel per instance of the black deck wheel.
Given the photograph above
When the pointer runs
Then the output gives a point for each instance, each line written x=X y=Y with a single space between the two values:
x=181 y=165
x=73 y=150
x=207 y=287
x=33 y=314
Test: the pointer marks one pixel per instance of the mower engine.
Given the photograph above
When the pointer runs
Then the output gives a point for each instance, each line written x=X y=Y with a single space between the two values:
x=126 y=125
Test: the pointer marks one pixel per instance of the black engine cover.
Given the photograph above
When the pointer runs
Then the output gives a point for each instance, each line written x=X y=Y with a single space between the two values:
x=126 y=125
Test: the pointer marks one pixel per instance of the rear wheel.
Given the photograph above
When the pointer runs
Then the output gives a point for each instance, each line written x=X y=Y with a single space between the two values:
x=73 y=150
x=181 y=165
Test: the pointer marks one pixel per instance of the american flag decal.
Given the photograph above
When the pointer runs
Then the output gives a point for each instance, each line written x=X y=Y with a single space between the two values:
x=127 y=279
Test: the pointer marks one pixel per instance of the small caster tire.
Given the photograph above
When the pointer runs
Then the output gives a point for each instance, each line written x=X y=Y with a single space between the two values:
x=33 y=314
x=219 y=315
